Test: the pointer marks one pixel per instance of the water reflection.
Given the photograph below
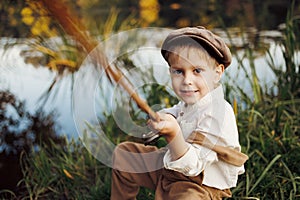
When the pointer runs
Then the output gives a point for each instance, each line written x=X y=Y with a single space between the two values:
x=141 y=52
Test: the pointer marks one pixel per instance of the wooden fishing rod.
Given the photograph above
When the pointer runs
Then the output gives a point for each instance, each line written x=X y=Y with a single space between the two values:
x=73 y=27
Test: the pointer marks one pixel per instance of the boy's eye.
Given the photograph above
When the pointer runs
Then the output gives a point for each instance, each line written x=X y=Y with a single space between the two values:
x=176 y=71
x=198 y=70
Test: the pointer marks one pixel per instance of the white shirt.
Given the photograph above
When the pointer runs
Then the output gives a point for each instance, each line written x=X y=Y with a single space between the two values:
x=214 y=116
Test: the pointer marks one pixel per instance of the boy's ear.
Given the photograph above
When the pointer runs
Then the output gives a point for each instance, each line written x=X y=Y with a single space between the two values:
x=219 y=71
x=220 y=68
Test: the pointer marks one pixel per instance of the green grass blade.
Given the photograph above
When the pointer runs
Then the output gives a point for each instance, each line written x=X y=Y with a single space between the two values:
x=264 y=173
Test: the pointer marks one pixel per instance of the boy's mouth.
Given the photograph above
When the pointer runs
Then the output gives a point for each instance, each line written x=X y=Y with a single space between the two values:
x=189 y=92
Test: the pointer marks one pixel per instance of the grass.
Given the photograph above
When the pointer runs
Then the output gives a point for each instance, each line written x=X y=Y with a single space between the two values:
x=268 y=122
x=71 y=173
x=269 y=127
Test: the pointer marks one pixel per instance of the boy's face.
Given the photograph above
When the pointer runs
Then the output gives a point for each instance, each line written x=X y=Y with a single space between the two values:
x=192 y=75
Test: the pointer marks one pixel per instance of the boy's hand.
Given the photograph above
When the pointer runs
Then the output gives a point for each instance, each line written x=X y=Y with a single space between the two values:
x=167 y=126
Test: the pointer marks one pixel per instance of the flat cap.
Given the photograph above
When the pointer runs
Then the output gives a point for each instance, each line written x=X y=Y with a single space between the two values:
x=212 y=43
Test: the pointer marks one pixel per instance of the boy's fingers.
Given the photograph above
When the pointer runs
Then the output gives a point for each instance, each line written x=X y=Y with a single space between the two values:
x=157 y=126
x=160 y=125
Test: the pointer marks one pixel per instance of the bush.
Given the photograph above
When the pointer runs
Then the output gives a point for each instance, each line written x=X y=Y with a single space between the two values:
x=21 y=132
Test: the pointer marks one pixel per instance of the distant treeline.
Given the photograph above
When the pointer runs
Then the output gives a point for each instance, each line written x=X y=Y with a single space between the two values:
x=266 y=14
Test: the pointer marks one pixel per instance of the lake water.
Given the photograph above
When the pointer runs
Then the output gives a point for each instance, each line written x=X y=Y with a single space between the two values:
x=29 y=83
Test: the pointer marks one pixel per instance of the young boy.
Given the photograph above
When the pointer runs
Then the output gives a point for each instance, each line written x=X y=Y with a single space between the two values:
x=185 y=169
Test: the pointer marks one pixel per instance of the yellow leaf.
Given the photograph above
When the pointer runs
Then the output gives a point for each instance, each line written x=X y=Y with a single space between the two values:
x=62 y=63
x=45 y=50
x=148 y=3
x=35 y=30
x=167 y=101
x=175 y=6
x=68 y=174
x=26 y=11
x=235 y=107
x=11 y=11
x=149 y=15
x=13 y=22
x=273 y=132
x=28 y=20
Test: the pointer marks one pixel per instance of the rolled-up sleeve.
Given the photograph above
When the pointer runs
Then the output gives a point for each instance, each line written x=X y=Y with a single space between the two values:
x=193 y=162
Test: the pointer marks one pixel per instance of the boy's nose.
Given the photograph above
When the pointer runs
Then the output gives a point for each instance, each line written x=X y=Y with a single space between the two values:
x=187 y=79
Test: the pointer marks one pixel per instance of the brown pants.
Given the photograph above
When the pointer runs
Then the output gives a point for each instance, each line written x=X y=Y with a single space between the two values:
x=168 y=184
